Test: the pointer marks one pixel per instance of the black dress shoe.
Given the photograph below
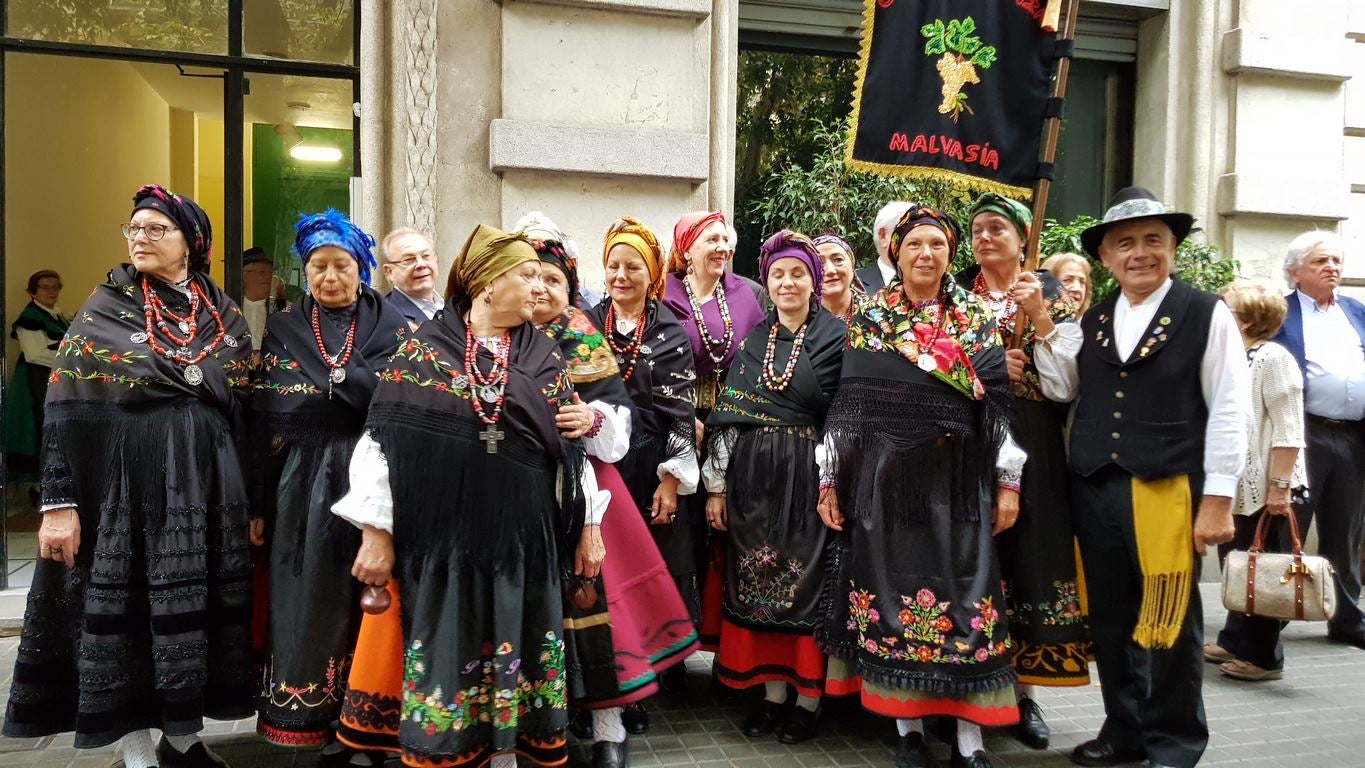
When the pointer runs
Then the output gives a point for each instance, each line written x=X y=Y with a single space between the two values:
x=580 y=724
x=1032 y=729
x=609 y=754
x=636 y=719
x=977 y=759
x=197 y=756
x=1097 y=754
x=1349 y=637
x=763 y=719
x=911 y=751
x=799 y=727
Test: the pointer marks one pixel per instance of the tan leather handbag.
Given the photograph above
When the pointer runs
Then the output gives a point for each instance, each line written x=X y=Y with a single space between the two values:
x=1275 y=585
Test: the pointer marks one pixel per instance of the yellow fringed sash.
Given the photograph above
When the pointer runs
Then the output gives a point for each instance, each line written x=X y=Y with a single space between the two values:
x=1163 y=524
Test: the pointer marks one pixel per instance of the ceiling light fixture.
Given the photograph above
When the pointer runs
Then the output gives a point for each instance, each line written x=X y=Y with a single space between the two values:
x=315 y=154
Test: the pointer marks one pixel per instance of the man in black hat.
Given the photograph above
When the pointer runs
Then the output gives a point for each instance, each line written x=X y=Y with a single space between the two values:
x=262 y=291
x=1155 y=452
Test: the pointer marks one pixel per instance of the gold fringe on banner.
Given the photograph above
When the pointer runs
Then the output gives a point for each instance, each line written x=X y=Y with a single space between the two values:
x=909 y=171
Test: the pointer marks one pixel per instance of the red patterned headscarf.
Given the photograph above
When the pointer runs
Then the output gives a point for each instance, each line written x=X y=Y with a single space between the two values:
x=686 y=232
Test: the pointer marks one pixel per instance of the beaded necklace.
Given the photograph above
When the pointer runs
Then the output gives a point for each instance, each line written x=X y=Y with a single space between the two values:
x=490 y=388
x=338 y=361
x=154 y=312
x=767 y=376
x=728 y=337
x=926 y=361
x=1003 y=307
x=632 y=349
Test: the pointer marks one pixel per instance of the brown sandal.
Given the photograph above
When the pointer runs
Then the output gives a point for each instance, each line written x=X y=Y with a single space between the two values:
x=1217 y=654
x=1245 y=670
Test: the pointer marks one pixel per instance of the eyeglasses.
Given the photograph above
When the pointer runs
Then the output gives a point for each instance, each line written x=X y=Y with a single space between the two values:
x=411 y=261
x=154 y=232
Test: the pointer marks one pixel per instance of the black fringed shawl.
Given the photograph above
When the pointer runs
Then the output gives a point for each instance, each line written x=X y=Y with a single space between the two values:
x=925 y=393
x=743 y=401
x=105 y=363
x=663 y=385
x=295 y=402
x=452 y=497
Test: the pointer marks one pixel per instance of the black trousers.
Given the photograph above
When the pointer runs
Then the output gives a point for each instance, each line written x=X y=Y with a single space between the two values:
x=1336 y=484
x=1153 y=699
x=1256 y=639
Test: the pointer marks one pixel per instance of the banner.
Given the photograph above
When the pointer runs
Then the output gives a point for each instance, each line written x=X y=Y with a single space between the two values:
x=953 y=90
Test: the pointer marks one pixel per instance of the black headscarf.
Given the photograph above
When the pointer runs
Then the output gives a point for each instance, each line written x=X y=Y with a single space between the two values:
x=552 y=252
x=187 y=215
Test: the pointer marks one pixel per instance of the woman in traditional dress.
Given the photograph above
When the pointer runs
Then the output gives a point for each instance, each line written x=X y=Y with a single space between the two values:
x=139 y=612
x=1037 y=556
x=716 y=309
x=763 y=483
x=469 y=497
x=318 y=370
x=917 y=457
x=655 y=359
x=38 y=329
x=632 y=623
x=841 y=294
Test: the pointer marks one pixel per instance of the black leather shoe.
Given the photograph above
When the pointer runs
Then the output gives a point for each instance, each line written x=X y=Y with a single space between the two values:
x=1032 y=729
x=1098 y=754
x=197 y=756
x=911 y=752
x=609 y=754
x=580 y=724
x=674 y=680
x=636 y=719
x=799 y=727
x=977 y=759
x=763 y=719
x=1348 y=637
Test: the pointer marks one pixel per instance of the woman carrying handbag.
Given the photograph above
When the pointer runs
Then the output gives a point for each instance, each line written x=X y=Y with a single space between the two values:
x=1274 y=482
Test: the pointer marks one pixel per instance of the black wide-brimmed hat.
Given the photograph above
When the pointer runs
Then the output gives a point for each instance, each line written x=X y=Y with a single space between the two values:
x=1133 y=203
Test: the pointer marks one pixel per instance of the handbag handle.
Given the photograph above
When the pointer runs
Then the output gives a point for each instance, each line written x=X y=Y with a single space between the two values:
x=1262 y=525
x=1297 y=570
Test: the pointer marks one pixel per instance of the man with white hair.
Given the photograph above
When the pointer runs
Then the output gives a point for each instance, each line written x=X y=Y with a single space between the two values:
x=410 y=266
x=538 y=226
x=1325 y=332
x=879 y=274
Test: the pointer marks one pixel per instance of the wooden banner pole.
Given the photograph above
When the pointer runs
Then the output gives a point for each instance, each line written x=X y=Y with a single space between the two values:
x=1052 y=129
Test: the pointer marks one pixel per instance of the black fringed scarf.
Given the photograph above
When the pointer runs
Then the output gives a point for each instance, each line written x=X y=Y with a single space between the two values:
x=452 y=497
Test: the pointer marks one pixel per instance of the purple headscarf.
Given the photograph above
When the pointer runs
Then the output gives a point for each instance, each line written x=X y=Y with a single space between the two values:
x=786 y=244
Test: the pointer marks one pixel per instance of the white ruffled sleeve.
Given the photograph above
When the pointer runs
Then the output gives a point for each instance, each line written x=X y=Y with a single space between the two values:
x=1056 y=363
x=597 y=498
x=685 y=469
x=370 y=500
x=1009 y=463
x=612 y=440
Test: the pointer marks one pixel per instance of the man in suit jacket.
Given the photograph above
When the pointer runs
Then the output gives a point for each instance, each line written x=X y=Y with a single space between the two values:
x=1326 y=334
x=877 y=275
x=410 y=266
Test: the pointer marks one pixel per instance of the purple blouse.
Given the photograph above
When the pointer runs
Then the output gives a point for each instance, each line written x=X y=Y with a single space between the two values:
x=745 y=314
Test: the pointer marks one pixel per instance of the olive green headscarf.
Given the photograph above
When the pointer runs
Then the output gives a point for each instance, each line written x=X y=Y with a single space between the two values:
x=487 y=254
x=1014 y=211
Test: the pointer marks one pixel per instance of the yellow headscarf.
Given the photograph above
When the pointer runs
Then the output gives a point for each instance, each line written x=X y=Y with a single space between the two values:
x=486 y=255
x=631 y=232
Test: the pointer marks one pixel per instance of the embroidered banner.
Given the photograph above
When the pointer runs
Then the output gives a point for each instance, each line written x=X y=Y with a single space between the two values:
x=952 y=89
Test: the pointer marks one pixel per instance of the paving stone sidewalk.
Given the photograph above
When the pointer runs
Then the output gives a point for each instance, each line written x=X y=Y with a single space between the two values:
x=1314 y=717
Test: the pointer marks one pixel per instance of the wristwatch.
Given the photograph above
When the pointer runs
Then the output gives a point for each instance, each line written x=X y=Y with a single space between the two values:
x=1279 y=483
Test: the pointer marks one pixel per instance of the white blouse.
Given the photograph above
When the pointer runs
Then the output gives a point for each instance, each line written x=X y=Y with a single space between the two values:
x=370 y=500
x=1275 y=421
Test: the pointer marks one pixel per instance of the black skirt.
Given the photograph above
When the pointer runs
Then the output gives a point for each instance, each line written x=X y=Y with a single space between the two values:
x=1038 y=558
x=151 y=627
x=314 y=599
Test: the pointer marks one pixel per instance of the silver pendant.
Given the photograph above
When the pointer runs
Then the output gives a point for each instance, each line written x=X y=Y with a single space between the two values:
x=184 y=326
x=338 y=375
x=138 y=338
x=459 y=381
x=183 y=351
x=229 y=340
x=488 y=393
x=620 y=359
x=645 y=350
x=194 y=375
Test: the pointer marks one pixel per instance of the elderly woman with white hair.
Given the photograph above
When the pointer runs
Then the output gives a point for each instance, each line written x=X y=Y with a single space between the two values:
x=876 y=276
x=1325 y=332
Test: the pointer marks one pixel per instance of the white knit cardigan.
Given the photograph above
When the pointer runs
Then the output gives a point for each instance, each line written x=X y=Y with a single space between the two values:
x=1275 y=421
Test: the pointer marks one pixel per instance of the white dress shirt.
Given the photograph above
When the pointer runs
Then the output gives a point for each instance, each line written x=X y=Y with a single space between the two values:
x=429 y=307
x=256 y=311
x=1223 y=380
x=34 y=344
x=1336 y=362
x=888 y=271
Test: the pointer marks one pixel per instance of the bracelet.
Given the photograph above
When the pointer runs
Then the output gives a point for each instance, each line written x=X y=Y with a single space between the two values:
x=1009 y=485
x=597 y=420
x=716 y=494
x=827 y=484
x=1048 y=338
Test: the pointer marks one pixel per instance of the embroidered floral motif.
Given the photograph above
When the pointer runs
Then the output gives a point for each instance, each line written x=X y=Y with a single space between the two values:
x=294 y=696
x=590 y=359
x=79 y=346
x=890 y=323
x=927 y=630
x=766 y=583
x=1064 y=611
x=490 y=700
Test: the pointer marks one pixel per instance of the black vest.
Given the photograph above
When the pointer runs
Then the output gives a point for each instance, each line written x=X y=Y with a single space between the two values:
x=1146 y=414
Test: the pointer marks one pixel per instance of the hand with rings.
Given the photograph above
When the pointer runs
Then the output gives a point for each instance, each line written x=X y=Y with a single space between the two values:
x=59 y=538
x=716 y=513
x=574 y=419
